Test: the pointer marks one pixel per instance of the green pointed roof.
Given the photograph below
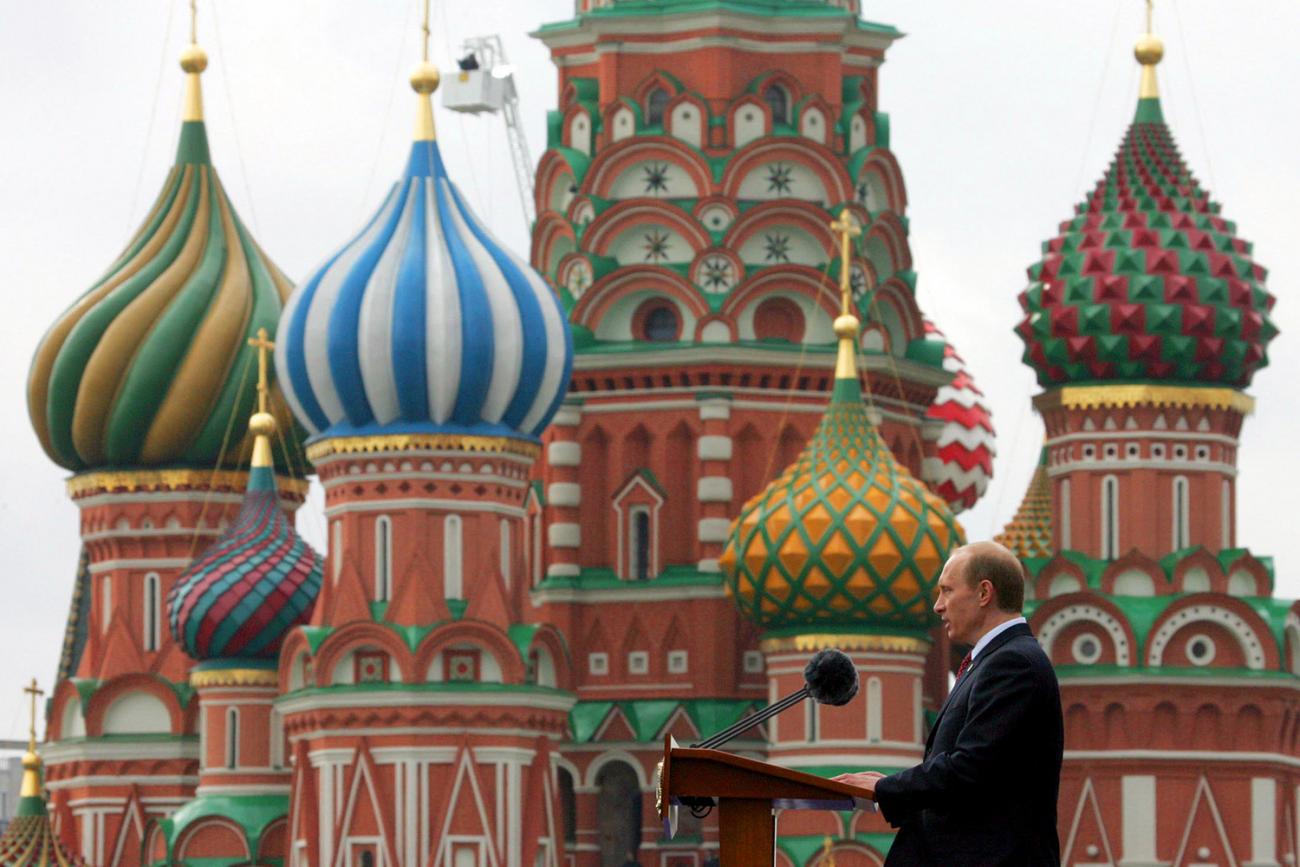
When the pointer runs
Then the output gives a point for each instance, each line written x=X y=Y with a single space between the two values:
x=150 y=366
x=1028 y=535
x=845 y=537
x=1147 y=281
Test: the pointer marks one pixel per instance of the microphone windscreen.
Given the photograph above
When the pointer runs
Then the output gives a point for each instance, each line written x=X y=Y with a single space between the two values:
x=831 y=677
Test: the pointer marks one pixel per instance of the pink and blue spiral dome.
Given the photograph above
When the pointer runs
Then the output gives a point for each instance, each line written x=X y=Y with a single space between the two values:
x=424 y=324
x=249 y=588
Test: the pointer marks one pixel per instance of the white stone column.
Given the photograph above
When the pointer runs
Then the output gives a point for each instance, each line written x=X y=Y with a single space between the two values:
x=1263 y=823
x=1138 y=807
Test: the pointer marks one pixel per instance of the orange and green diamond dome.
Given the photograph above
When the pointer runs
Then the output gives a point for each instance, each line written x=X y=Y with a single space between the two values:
x=846 y=537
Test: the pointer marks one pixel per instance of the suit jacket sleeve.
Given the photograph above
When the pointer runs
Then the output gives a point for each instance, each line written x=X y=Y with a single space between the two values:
x=1000 y=708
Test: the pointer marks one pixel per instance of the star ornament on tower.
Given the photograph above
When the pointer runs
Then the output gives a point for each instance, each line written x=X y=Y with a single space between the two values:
x=656 y=246
x=656 y=178
x=779 y=178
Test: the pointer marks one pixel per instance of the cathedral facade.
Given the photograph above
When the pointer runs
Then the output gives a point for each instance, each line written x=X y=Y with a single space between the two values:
x=622 y=484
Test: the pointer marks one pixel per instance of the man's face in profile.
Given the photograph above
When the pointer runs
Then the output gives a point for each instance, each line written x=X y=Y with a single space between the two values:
x=958 y=604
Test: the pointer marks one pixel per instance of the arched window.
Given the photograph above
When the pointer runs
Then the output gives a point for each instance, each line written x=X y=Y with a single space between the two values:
x=875 y=715
x=779 y=319
x=1225 y=517
x=778 y=99
x=568 y=805
x=383 y=558
x=1182 y=506
x=656 y=321
x=152 y=611
x=505 y=550
x=535 y=540
x=336 y=550
x=106 y=597
x=452 y=582
x=232 y=738
x=655 y=105
x=638 y=566
x=618 y=813
x=1109 y=518
x=1065 y=514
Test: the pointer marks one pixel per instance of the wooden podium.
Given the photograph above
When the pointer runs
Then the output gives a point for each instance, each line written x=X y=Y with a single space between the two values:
x=748 y=793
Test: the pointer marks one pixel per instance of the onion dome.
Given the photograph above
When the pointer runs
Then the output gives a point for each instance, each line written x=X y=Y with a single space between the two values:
x=1029 y=534
x=963 y=462
x=424 y=322
x=846 y=536
x=1147 y=281
x=258 y=580
x=147 y=367
x=29 y=840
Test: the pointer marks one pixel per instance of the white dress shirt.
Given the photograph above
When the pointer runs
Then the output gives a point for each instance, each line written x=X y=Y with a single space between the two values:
x=992 y=634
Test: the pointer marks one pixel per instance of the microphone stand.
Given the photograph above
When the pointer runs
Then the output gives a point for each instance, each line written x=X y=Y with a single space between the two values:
x=749 y=722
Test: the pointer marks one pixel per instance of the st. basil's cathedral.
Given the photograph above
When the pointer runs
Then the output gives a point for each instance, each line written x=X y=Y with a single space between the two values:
x=622 y=484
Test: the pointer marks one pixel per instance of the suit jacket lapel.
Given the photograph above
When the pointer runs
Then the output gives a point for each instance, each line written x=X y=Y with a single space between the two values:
x=987 y=651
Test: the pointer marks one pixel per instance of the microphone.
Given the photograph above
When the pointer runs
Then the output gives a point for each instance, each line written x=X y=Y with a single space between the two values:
x=830 y=677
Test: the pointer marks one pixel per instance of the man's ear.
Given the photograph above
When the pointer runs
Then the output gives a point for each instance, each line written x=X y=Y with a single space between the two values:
x=987 y=594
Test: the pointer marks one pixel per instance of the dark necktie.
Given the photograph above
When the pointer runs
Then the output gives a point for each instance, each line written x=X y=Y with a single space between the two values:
x=965 y=664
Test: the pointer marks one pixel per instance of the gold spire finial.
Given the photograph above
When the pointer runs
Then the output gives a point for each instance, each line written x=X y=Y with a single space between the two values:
x=262 y=424
x=31 y=786
x=424 y=80
x=1149 y=51
x=193 y=60
x=846 y=324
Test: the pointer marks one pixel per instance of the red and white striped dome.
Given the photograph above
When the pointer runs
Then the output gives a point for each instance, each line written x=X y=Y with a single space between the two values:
x=963 y=464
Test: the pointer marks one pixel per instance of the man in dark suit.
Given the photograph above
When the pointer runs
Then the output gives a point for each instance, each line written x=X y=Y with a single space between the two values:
x=985 y=795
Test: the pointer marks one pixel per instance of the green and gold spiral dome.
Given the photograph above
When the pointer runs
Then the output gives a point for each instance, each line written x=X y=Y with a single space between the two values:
x=846 y=537
x=151 y=366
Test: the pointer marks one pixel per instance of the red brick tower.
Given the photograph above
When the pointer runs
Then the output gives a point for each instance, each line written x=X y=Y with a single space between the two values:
x=423 y=705
x=137 y=389
x=695 y=162
x=1145 y=320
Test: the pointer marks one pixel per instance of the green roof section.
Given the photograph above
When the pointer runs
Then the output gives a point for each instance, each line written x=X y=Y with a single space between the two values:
x=765 y=8
x=252 y=813
x=648 y=717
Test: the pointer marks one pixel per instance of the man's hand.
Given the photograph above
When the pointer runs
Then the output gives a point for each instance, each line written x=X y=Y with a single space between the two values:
x=864 y=780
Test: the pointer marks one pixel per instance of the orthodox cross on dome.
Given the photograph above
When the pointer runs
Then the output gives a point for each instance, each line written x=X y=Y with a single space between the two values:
x=193 y=60
x=35 y=692
x=846 y=324
x=846 y=226
x=1149 y=51
x=263 y=345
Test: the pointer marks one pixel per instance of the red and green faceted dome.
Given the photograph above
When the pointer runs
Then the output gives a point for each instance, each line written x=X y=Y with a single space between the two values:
x=250 y=587
x=846 y=537
x=1147 y=281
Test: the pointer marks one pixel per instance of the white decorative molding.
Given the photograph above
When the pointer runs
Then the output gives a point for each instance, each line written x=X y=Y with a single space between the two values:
x=1251 y=647
x=714 y=448
x=714 y=489
x=1072 y=614
x=564 y=494
x=564 y=535
x=716 y=409
x=567 y=416
x=563 y=570
x=564 y=454
x=714 y=529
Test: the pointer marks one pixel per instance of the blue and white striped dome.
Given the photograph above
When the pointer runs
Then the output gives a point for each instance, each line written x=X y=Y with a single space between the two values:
x=424 y=323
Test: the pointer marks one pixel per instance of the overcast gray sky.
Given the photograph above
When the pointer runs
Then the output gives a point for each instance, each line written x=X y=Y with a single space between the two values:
x=1003 y=114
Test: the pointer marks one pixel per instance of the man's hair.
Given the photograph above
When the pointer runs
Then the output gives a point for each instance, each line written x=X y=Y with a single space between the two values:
x=989 y=561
